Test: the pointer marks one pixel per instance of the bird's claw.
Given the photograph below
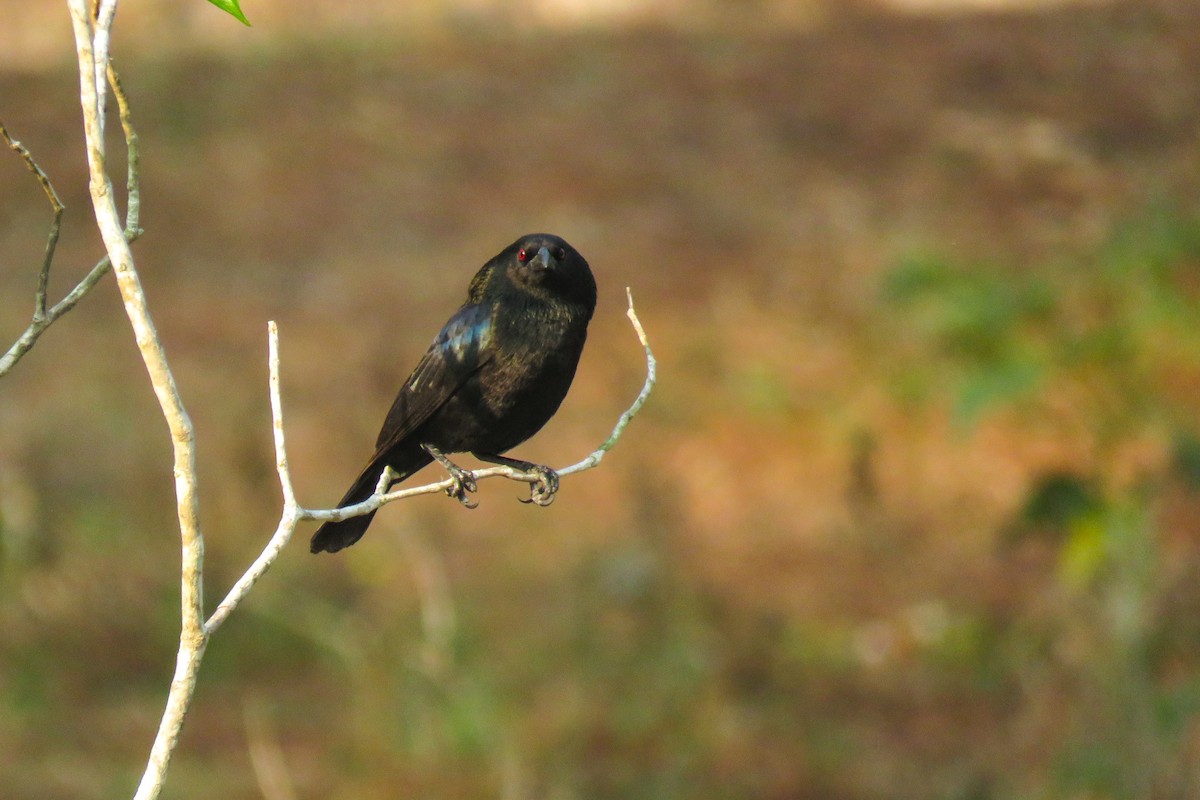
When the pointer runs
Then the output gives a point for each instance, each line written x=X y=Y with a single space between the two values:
x=543 y=490
x=463 y=485
x=462 y=481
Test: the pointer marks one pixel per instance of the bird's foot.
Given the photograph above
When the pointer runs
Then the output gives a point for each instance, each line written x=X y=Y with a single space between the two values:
x=464 y=484
x=462 y=480
x=544 y=485
x=543 y=490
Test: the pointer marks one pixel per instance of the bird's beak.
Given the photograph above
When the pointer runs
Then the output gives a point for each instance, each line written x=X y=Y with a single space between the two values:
x=542 y=261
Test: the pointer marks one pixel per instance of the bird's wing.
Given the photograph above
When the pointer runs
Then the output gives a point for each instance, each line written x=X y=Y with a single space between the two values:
x=460 y=349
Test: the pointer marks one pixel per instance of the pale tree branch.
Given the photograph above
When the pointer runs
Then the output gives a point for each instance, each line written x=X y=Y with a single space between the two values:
x=292 y=512
x=44 y=317
x=105 y=11
x=594 y=458
x=91 y=46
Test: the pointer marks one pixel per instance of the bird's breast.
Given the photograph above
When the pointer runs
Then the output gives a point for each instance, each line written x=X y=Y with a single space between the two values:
x=531 y=369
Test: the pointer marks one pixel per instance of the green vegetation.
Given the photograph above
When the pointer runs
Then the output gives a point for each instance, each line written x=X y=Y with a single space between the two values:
x=1113 y=336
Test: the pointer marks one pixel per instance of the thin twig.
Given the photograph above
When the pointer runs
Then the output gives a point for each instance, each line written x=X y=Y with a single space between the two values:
x=133 y=192
x=292 y=513
x=40 y=321
x=597 y=456
x=43 y=318
x=39 y=301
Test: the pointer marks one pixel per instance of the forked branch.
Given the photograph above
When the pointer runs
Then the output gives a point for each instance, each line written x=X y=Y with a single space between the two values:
x=44 y=317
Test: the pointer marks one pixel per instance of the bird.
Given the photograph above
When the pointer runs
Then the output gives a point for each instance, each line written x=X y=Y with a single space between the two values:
x=493 y=377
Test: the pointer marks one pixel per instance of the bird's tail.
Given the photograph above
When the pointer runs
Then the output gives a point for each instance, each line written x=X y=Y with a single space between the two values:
x=334 y=536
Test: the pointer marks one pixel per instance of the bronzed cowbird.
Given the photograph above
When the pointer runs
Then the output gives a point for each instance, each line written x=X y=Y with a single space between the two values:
x=494 y=375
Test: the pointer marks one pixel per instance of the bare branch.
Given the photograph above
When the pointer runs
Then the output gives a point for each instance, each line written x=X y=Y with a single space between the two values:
x=39 y=303
x=292 y=513
x=40 y=174
x=133 y=191
x=91 y=46
x=105 y=12
x=597 y=456
x=43 y=318
x=281 y=459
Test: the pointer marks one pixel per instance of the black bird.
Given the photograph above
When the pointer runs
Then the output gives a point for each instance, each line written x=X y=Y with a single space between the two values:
x=494 y=375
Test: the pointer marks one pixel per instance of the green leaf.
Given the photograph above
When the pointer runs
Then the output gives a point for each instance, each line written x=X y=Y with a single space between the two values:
x=232 y=7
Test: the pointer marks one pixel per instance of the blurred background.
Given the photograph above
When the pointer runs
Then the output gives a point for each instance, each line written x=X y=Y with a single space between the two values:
x=913 y=512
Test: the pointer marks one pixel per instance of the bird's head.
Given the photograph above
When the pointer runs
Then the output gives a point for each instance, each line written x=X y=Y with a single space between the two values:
x=545 y=265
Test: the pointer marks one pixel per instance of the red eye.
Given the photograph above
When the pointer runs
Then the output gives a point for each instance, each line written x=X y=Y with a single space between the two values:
x=522 y=255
